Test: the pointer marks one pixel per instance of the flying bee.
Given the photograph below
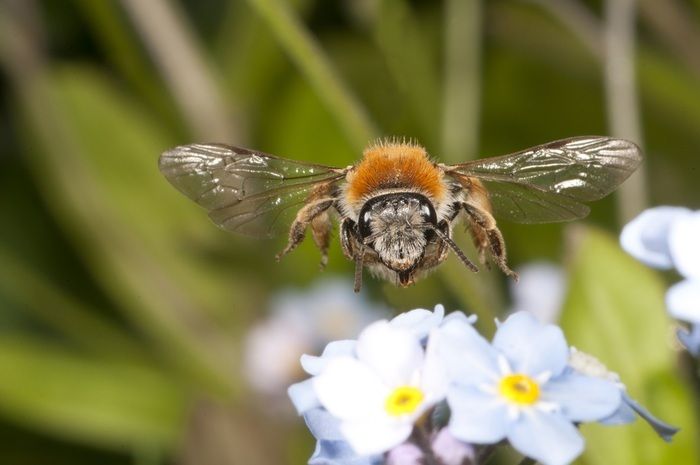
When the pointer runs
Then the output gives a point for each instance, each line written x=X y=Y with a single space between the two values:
x=396 y=206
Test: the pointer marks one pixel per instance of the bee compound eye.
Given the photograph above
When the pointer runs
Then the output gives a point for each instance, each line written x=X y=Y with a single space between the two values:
x=364 y=224
x=428 y=212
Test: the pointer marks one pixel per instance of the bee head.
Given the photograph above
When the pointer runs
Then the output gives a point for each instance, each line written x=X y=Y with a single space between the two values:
x=398 y=226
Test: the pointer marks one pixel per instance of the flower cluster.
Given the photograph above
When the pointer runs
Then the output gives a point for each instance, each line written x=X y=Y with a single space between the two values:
x=428 y=388
x=666 y=238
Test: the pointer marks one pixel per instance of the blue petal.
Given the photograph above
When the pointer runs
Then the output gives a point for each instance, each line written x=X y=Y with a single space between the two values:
x=323 y=425
x=646 y=237
x=684 y=246
x=682 y=300
x=314 y=365
x=622 y=416
x=468 y=358
x=477 y=417
x=540 y=290
x=546 y=437
x=530 y=346
x=420 y=321
x=471 y=319
x=664 y=430
x=303 y=396
x=691 y=339
x=581 y=397
x=340 y=453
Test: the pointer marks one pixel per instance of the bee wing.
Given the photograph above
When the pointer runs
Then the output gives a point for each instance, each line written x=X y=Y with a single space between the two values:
x=550 y=182
x=245 y=191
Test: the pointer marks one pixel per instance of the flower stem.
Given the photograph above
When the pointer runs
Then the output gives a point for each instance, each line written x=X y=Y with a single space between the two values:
x=621 y=96
x=462 y=81
x=313 y=62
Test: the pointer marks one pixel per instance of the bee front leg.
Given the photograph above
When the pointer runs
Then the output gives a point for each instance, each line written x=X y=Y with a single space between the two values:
x=485 y=232
x=348 y=236
x=305 y=216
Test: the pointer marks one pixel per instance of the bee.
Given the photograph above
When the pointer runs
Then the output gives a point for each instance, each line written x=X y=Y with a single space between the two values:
x=396 y=206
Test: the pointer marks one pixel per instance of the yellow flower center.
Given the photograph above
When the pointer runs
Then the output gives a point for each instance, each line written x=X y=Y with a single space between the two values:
x=403 y=400
x=519 y=389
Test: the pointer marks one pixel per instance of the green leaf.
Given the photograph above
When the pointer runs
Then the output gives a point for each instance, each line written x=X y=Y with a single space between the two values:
x=96 y=162
x=615 y=311
x=55 y=307
x=111 y=403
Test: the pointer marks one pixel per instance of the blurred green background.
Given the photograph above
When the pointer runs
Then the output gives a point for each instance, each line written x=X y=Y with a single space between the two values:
x=122 y=308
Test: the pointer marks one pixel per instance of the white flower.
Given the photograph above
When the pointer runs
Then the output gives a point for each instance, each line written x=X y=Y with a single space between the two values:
x=380 y=392
x=540 y=290
x=418 y=321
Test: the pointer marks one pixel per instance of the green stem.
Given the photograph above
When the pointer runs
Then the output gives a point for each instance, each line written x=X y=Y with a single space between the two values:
x=621 y=97
x=460 y=119
x=315 y=65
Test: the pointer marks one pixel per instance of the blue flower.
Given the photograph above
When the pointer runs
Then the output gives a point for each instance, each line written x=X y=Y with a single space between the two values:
x=629 y=408
x=376 y=387
x=646 y=237
x=420 y=321
x=666 y=237
x=540 y=290
x=332 y=447
x=518 y=388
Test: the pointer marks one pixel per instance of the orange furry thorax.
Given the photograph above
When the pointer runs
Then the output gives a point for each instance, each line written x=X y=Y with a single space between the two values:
x=388 y=165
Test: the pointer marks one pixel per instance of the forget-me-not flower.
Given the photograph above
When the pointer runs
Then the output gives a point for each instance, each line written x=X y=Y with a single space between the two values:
x=540 y=290
x=332 y=447
x=426 y=386
x=380 y=393
x=517 y=388
x=665 y=238
x=629 y=408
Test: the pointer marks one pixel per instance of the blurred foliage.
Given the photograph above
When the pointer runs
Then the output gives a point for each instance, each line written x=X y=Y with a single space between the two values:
x=122 y=307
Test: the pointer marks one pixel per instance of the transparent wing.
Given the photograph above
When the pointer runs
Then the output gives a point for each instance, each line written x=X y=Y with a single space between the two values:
x=550 y=182
x=245 y=191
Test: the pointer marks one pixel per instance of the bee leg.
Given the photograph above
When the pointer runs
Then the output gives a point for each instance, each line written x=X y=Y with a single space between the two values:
x=481 y=241
x=359 y=264
x=304 y=217
x=485 y=221
x=321 y=227
x=348 y=238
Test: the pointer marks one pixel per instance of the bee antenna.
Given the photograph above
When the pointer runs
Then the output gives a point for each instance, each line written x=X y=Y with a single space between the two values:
x=455 y=248
x=359 y=258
